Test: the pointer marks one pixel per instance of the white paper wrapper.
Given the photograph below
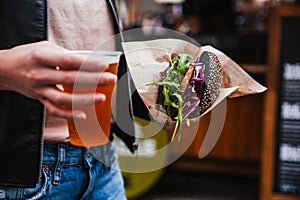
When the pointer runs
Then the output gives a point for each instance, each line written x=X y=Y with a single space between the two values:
x=147 y=61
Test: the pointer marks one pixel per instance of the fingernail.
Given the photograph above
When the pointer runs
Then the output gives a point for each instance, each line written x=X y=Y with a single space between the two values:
x=112 y=78
x=80 y=115
x=100 y=97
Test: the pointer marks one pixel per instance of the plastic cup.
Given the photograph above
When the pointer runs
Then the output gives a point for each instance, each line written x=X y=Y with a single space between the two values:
x=95 y=129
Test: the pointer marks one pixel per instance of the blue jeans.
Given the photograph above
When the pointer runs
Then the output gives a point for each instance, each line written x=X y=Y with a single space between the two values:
x=70 y=172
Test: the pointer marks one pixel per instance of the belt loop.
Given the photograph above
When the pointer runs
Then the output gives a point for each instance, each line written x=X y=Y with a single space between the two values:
x=61 y=152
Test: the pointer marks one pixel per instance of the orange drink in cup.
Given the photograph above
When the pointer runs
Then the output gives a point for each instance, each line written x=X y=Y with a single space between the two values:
x=95 y=129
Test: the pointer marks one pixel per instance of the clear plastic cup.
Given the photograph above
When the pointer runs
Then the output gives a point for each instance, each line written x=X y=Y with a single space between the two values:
x=95 y=129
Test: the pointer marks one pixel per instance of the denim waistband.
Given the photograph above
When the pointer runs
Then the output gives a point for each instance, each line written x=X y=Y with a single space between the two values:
x=67 y=153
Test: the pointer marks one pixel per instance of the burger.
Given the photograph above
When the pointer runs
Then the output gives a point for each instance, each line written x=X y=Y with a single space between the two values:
x=188 y=88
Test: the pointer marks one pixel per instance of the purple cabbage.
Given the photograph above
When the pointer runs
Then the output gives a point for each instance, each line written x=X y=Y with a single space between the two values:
x=192 y=94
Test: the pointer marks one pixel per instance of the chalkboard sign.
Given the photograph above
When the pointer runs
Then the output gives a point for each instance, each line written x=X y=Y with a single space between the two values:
x=287 y=173
x=281 y=156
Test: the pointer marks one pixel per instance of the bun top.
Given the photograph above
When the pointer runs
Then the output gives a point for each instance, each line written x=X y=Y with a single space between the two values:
x=212 y=85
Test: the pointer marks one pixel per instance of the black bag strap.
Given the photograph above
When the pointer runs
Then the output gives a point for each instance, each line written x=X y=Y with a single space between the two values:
x=128 y=101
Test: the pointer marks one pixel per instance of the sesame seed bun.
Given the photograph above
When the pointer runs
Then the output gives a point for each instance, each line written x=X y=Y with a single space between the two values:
x=212 y=86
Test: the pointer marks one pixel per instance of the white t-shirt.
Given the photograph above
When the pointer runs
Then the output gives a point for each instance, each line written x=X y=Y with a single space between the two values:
x=75 y=25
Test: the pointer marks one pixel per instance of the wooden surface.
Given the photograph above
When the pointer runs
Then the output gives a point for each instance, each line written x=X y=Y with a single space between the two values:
x=241 y=137
x=270 y=110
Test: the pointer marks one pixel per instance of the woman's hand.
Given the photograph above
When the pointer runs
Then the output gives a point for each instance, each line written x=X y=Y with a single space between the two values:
x=32 y=70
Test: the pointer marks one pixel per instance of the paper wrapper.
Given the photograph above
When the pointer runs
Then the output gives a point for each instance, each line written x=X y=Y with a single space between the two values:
x=147 y=61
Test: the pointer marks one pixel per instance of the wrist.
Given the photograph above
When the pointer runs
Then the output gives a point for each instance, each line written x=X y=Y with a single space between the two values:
x=3 y=81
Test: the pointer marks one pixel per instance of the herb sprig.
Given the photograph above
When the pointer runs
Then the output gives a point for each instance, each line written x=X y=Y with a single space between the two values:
x=173 y=99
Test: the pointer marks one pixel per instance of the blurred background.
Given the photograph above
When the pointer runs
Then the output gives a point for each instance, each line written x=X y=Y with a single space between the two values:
x=233 y=169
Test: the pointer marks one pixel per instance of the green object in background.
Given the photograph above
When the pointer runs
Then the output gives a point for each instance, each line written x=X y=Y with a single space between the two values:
x=137 y=184
x=142 y=171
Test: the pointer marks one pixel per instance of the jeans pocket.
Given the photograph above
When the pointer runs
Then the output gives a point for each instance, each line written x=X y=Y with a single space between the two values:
x=41 y=188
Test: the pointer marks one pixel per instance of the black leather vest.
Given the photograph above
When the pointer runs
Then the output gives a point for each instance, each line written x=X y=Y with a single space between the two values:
x=22 y=118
